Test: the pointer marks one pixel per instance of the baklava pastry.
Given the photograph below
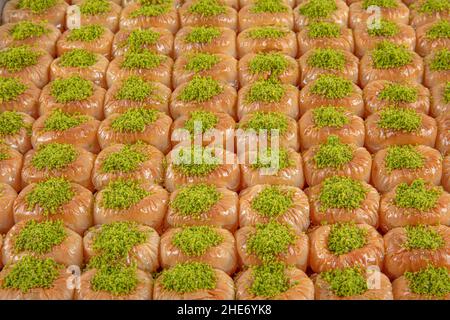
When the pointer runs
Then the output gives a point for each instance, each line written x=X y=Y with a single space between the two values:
x=56 y=199
x=397 y=164
x=325 y=35
x=73 y=95
x=205 y=39
x=45 y=239
x=193 y=281
x=263 y=203
x=102 y=12
x=19 y=95
x=215 y=13
x=268 y=96
x=320 y=61
x=267 y=39
x=309 y=11
x=266 y=13
x=433 y=36
x=414 y=203
x=139 y=245
x=443 y=136
x=203 y=204
x=316 y=125
x=336 y=158
x=58 y=160
x=341 y=199
x=11 y=162
x=131 y=200
x=79 y=62
x=389 y=61
x=426 y=11
x=368 y=36
x=397 y=126
x=198 y=164
x=446 y=173
x=243 y=3
x=26 y=63
x=440 y=102
x=413 y=248
x=212 y=245
x=157 y=40
x=274 y=281
x=94 y=38
x=7 y=197
x=220 y=67
x=15 y=130
x=345 y=245
x=136 y=92
x=35 y=279
x=38 y=34
x=329 y=89
x=437 y=68
x=62 y=127
x=203 y=93
x=53 y=12
x=381 y=94
x=268 y=66
x=392 y=10
x=160 y=15
x=352 y=283
x=137 y=161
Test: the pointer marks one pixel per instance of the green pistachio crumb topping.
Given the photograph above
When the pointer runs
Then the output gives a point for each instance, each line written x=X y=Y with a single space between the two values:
x=268 y=6
x=11 y=122
x=151 y=10
x=269 y=240
x=446 y=95
x=273 y=63
x=201 y=61
x=40 y=237
x=423 y=238
x=207 y=8
x=386 y=28
x=61 y=121
x=403 y=157
x=71 y=89
x=135 y=88
x=267 y=32
x=346 y=282
x=333 y=153
x=54 y=156
x=95 y=7
x=196 y=199
x=439 y=30
x=196 y=161
x=272 y=201
x=395 y=92
x=417 y=195
x=432 y=6
x=139 y=38
x=400 y=119
x=266 y=91
x=318 y=9
x=328 y=59
x=267 y=121
x=86 y=33
x=269 y=159
x=153 y=2
x=270 y=280
x=203 y=34
x=189 y=277
x=341 y=193
x=50 y=195
x=387 y=55
x=431 y=281
x=28 y=29
x=379 y=3
x=120 y=194
x=196 y=240
x=125 y=160
x=10 y=89
x=134 y=120
x=30 y=272
x=18 y=58
x=329 y=116
x=346 y=237
x=78 y=58
x=142 y=60
x=324 y=30
x=36 y=6
x=200 y=89
x=440 y=60
x=206 y=119
x=332 y=87
x=115 y=279
x=4 y=155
